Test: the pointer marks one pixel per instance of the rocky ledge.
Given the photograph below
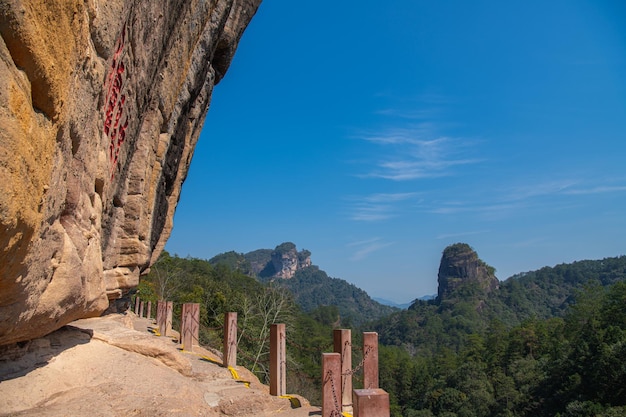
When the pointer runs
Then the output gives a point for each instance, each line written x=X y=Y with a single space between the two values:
x=101 y=104
x=73 y=371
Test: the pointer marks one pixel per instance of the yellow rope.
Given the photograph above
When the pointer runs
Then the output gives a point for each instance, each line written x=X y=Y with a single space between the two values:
x=234 y=373
x=295 y=402
x=232 y=370
x=236 y=377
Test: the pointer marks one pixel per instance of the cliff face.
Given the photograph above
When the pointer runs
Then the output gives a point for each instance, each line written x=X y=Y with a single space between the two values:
x=286 y=260
x=461 y=268
x=282 y=262
x=101 y=104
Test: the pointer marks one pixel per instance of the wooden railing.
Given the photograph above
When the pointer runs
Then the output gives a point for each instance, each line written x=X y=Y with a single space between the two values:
x=338 y=396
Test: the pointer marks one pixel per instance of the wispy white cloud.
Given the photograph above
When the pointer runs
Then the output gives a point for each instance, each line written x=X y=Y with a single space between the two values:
x=551 y=187
x=551 y=194
x=414 y=135
x=488 y=208
x=365 y=247
x=416 y=169
x=387 y=197
x=377 y=207
x=363 y=242
x=412 y=153
x=372 y=212
x=600 y=189
x=548 y=195
x=445 y=209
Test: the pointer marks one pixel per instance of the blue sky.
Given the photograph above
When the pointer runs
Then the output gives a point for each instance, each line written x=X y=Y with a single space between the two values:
x=374 y=134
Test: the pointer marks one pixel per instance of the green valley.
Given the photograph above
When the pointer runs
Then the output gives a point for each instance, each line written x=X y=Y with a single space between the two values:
x=550 y=342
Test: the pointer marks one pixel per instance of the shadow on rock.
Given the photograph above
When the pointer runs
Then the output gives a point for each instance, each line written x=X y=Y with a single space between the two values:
x=21 y=358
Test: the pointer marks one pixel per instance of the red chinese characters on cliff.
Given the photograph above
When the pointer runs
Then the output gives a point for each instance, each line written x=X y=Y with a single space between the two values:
x=115 y=118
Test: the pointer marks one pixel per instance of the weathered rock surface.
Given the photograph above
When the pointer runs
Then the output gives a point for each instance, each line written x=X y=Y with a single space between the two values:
x=282 y=262
x=75 y=371
x=461 y=268
x=101 y=104
x=286 y=260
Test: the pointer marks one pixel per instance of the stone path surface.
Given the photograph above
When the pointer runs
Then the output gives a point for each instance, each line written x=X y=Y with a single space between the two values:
x=114 y=366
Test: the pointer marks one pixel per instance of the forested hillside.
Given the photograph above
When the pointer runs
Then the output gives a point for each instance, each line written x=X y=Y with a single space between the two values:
x=545 y=343
x=570 y=366
x=541 y=294
x=310 y=286
x=550 y=342
x=549 y=291
x=219 y=289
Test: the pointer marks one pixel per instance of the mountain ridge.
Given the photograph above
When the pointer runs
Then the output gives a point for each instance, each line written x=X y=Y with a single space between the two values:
x=462 y=276
x=311 y=287
x=470 y=306
x=544 y=343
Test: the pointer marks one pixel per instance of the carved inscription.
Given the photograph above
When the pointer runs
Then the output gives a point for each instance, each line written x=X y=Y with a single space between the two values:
x=115 y=118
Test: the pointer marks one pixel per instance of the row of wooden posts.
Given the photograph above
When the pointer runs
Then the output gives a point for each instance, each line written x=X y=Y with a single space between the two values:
x=337 y=392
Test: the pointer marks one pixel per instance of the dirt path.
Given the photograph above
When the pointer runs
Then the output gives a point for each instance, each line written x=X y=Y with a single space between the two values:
x=113 y=366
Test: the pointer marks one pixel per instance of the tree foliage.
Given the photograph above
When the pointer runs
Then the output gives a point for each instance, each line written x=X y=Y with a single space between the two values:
x=219 y=288
x=313 y=288
x=553 y=344
x=547 y=343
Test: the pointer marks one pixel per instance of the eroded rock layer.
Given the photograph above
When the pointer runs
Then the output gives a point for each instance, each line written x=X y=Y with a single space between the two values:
x=462 y=270
x=101 y=104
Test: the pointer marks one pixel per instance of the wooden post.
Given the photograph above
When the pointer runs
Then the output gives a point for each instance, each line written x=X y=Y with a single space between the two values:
x=169 y=310
x=229 y=354
x=370 y=360
x=278 y=362
x=149 y=313
x=370 y=403
x=164 y=317
x=137 y=301
x=342 y=340
x=190 y=325
x=141 y=308
x=331 y=384
x=160 y=317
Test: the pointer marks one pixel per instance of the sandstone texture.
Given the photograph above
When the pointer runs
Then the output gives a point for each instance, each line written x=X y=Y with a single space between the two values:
x=101 y=104
x=76 y=371
x=281 y=262
x=286 y=260
x=462 y=269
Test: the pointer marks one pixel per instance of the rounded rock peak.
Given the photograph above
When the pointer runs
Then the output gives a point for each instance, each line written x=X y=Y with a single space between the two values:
x=461 y=268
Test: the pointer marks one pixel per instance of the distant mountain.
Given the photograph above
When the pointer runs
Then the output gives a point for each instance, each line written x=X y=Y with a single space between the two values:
x=311 y=287
x=235 y=262
x=549 y=291
x=391 y=303
x=427 y=297
x=266 y=264
x=470 y=298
